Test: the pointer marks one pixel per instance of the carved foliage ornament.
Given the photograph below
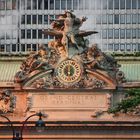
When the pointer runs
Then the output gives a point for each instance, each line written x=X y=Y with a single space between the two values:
x=69 y=57
x=7 y=101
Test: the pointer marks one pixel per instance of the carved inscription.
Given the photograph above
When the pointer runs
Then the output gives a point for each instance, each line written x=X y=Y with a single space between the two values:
x=63 y=101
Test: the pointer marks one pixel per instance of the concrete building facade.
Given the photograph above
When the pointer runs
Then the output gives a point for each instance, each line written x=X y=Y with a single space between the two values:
x=22 y=22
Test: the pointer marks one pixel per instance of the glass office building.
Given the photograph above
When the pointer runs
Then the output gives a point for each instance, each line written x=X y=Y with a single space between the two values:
x=22 y=22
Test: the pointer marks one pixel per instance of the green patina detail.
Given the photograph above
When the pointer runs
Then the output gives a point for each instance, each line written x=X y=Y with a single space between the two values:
x=130 y=103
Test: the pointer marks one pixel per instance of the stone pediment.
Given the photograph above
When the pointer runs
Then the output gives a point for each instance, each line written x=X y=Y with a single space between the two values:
x=69 y=62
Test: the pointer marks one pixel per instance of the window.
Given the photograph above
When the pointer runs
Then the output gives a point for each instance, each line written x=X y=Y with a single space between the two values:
x=138 y=47
x=28 y=34
x=128 y=47
x=134 y=18
x=51 y=37
x=34 y=4
x=63 y=4
x=128 y=4
x=8 y=48
x=14 y=20
x=40 y=4
x=14 y=47
x=28 y=4
x=8 y=4
x=98 y=4
x=28 y=47
x=34 y=47
x=23 y=48
x=116 y=4
x=104 y=34
x=122 y=47
x=122 y=33
x=92 y=4
x=57 y=4
x=110 y=19
x=104 y=4
x=39 y=34
x=23 y=19
x=14 y=35
x=128 y=19
x=69 y=4
x=134 y=4
x=51 y=4
x=110 y=4
x=28 y=19
x=98 y=19
x=110 y=33
x=110 y=47
x=75 y=4
x=139 y=33
x=2 y=4
x=34 y=34
x=22 y=34
x=22 y=5
x=34 y=19
x=87 y=4
x=122 y=4
x=8 y=34
x=138 y=18
x=39 y=19
x=134 y=47
x=2 y=48
x=45 y=36
x=51 y=17
x=128 y=33
x=116 y=47
x=116 y=19
x=116 y=33
x=104 y=19
x=46 y=4
x=45 y=19
x=138 y=4
x=122 y=19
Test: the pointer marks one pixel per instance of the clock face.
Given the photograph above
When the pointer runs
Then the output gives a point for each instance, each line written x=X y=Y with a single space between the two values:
x=69 y=72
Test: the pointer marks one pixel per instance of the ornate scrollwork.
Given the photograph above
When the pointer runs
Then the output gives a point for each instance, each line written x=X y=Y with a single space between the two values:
x=69 y=57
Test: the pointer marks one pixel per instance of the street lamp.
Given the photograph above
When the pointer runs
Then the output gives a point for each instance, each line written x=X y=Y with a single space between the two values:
x=10 y=125
x=40 y=125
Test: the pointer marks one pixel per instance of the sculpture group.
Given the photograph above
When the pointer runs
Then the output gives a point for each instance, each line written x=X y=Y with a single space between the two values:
x=69 y=61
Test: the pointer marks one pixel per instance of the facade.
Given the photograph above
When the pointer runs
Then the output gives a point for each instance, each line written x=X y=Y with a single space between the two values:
x=22 y=22
x=73 y=82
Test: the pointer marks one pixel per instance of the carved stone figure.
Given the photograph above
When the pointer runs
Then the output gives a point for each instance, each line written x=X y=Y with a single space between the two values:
x=69 y=61
x=7 y=101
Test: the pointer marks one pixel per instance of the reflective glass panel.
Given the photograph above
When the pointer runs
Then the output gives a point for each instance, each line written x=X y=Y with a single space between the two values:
x=57 y=4
x=46 y=4
x=128 y=4
x=116 y=33
x=34 y=19
x=116 y=19
x=110 y=19
x=122 y=19
x=122 y=33
x=69 y=4
x=134 y=4
x=122 y=4
x=63 y=4
x=110 y=4
x=116 y=4
x=128 y=33
x=34 y=4
x=128 y=19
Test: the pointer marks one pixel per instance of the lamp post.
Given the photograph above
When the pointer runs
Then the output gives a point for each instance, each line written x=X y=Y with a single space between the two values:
x=10 y=124
x=19 y=136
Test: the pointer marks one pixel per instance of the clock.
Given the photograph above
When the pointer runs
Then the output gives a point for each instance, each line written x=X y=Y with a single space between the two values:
x=69 y=72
